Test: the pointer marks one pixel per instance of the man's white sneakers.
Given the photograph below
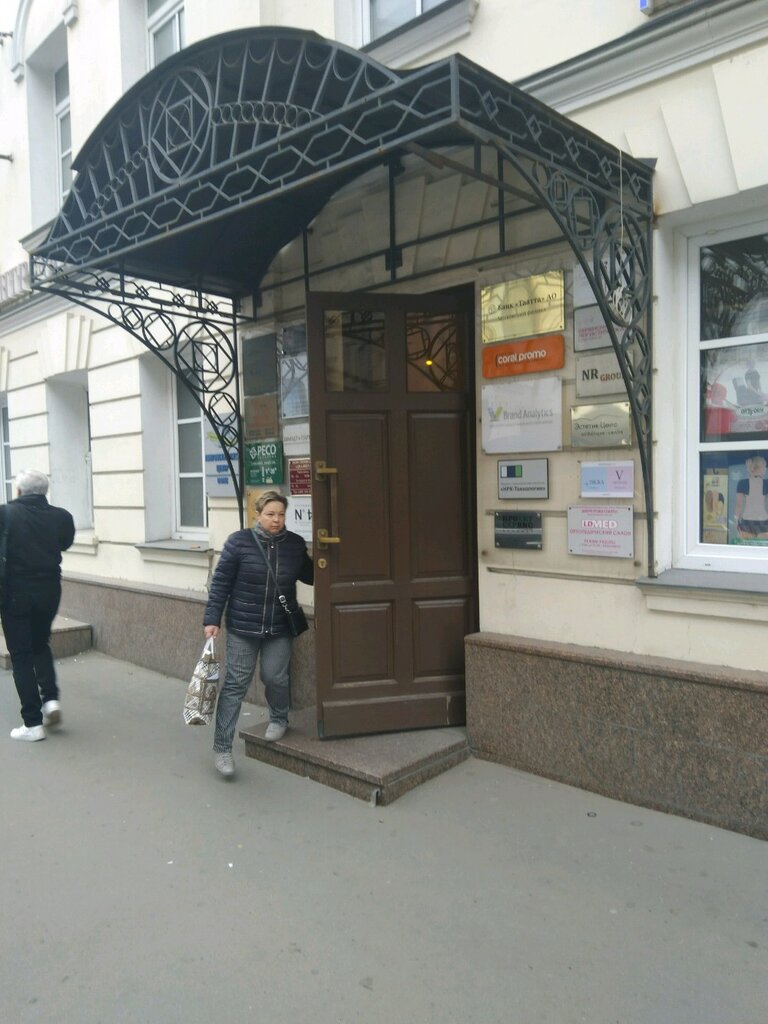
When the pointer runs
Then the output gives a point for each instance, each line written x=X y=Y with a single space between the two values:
x=51 y=712
x=31 y=733
x=275 y=731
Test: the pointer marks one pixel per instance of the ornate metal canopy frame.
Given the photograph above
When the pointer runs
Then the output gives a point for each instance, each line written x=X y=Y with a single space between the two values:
x=225 y=153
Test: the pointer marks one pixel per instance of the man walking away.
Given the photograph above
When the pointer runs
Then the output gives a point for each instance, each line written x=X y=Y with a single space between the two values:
x=37 y=534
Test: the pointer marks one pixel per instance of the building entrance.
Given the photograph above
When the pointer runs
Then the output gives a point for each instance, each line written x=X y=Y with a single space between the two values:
x=394 y=543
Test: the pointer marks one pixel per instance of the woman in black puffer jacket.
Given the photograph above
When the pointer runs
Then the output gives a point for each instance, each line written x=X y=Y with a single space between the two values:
x=256 y=622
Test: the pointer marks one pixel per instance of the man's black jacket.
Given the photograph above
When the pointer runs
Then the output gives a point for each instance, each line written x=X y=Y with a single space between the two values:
x=38 y=532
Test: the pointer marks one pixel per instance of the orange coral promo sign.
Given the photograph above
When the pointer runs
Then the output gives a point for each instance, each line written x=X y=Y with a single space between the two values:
x=530 y=356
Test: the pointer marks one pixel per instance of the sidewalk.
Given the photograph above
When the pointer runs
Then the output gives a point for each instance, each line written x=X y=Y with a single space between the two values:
x=139 y=886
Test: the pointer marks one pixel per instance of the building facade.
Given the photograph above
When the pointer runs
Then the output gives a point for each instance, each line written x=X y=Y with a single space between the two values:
x=501 y=344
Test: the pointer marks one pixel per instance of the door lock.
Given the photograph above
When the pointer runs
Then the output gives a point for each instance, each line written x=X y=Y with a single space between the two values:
x=322 y=563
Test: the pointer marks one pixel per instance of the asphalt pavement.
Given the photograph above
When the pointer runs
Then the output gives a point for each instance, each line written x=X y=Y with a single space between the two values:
x=137 y=885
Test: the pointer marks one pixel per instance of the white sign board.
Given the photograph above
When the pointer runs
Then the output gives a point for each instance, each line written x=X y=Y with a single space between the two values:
x=589 y=330
x=296 y=438
x=602 y=530
x=608 y=479
x=523 y=416
x=298 y=517
x=598 y=374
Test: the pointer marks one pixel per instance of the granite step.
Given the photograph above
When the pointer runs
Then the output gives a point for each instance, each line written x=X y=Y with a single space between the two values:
x=67 y=638
x=378 y=769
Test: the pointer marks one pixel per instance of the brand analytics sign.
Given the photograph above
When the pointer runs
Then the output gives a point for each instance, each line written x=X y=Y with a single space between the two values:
x=530 y=356
x=523 y=416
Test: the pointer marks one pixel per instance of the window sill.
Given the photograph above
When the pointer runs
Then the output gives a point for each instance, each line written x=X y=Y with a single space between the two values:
x=425 y=34
x=722 y=595
x=176 y=552
x=85 y=543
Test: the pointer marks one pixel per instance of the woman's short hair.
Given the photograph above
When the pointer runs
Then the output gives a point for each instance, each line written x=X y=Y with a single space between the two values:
x=264 y=499
x=31 y=481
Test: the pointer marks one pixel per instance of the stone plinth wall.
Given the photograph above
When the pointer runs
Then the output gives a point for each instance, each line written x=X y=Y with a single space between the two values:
x=675 y=736
x=162 y=630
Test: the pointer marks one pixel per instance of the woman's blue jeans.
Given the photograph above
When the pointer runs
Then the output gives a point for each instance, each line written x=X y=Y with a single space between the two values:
x=242 y=653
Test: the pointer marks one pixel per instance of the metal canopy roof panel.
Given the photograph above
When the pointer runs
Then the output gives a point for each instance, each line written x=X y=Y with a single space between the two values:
x=222 y=154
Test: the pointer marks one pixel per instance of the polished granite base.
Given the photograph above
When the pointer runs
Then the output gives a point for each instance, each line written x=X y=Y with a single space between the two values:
x=378 y=769
x=676 y=736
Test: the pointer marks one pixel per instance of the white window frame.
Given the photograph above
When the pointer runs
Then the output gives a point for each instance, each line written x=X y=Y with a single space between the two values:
x=182 y=531
x=171 y=12
x=61 y=110
x=696 y=554
x=367 y=16
x=5 y=457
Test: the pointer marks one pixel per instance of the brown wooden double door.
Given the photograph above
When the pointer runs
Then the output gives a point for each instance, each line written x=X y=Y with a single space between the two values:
x=393 y=508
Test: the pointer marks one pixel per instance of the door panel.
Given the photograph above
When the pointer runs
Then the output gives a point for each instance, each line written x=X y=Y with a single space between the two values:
x=392 y=442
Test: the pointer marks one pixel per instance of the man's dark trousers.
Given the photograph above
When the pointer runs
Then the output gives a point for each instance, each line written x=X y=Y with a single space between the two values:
x=27 y=617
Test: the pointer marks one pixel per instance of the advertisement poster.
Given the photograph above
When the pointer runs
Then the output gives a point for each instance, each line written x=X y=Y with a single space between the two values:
x=523 y=416
x=608 y=479
x=263 y=462
x=714 y=513
x=601 y=426
x=734 y=497
x=734 y=401
x=598 y=374
x=603 y=530
x=589 y=330
x=528 y=305
x=530 y=356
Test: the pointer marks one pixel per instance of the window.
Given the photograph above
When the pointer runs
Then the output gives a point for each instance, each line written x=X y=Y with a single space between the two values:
x=729 y=456
x=69 y=443
x=165 y=25
x=63 y=130
x=5 y=463
x=190 y=462
x=388 y=15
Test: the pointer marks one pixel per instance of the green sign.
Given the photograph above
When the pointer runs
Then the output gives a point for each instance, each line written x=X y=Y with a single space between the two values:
x=263 y=463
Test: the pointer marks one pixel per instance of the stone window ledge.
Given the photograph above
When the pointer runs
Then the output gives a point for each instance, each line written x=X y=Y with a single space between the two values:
x=85 y=543
x=724 y=595
x=180 y=552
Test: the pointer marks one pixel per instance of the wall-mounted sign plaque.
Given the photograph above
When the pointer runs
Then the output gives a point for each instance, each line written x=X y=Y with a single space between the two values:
x=517 y=530
x=589 y=330
x=601 y=426
x=598 y=373
x=603 y=530
x=524 y=478
x=608 y=479
x=528 y=305
x=523 y=415
x=263 y=462
x=530 y=356
x=300 y=476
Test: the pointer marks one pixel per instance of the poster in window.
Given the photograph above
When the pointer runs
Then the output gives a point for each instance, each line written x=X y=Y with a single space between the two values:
x=714 y=513
x=748 y=486
x=735 y=393
x=734 y=498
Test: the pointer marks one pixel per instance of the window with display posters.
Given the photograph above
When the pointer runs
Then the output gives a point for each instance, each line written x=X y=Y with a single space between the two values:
x=730 y=448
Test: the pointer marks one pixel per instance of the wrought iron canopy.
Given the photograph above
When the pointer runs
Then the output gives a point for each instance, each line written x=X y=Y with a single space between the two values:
x=210 y=164
x=227 y=151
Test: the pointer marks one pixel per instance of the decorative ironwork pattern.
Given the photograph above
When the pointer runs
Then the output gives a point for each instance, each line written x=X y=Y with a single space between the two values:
x=434 y=353
x=194 y=336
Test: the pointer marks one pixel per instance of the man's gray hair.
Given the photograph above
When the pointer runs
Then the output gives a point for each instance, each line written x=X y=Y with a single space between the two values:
x=31 y=481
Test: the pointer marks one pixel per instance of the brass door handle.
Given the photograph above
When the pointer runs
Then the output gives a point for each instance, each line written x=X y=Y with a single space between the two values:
x=326 y=537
